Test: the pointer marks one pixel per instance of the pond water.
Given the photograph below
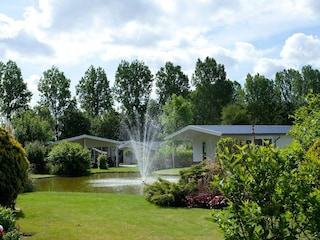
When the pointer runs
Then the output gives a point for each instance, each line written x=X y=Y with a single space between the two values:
x=122 y=183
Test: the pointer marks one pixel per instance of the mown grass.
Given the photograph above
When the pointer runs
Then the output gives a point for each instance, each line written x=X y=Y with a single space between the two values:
x=53 y=215
x=170 y=171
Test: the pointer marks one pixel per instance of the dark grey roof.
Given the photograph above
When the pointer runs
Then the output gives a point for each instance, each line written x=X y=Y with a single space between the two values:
x=219 y=130
x=246 y=129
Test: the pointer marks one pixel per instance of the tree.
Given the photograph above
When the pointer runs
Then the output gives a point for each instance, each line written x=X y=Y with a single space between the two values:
x=14 y=169
x=55 y=94
x=212 y=91
x=29 y=127
x=94 y=91
x=106 y=125
x=133 y=85
x=74 y=122
x=234 y=114
x=177 y=113
x=171 y=80
x=13 y=90
x=306 y=128
x=69 y=159
x=289 y=93
x=311 y=79
x=260 y=99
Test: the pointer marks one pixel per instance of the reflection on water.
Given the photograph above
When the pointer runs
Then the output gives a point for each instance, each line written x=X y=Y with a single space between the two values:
x=123 y=183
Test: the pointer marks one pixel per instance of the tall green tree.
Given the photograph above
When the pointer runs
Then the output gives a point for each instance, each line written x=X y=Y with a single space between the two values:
x=177 y=113
x=107 y=125
x=213 y=91
x=14 y=94
x=171 y=80
x=289 y=93
x=234 y=114
x=132 y=88
x=74 y=122
x=55 y=93
x=29 y=127
x=94 y=91
x=311 y=79
x=260 y=99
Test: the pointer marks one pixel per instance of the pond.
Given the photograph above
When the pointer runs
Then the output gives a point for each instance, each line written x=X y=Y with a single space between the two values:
x=122 y=183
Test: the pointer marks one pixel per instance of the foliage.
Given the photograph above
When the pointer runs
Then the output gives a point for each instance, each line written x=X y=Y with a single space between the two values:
x=55 y=94
x=8 y=223
x=193 y=183
x=165 y=193
x=260 y=99
x=36 y=153
x=164 y=156
x=106 y=125
x=234 y=114
x=227 y=145
x=74 y=122
x=94 y=92
x=14 y=169
x=102 y=159
x=7 y=219
x=30 y=127
x=272 y=193
x=177 y=113
x=69 y=159
x=306 y=128
x=132 y=88
x=171 y=80
x=207 y=200
x=213 y=91
x=252 y=190
x=13 y=90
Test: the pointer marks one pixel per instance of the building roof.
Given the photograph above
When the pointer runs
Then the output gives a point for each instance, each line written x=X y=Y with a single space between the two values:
x=191 y=131
x=85 y=136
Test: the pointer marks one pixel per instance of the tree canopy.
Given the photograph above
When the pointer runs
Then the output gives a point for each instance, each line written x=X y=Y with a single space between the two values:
x=94 y=91
x=171 y=80
x=133 y=85
x=55 y=93
x=13 y=90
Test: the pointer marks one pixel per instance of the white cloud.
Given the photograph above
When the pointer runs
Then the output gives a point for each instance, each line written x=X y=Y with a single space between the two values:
x=32 y=85
x=245 y=37
x=301 y=49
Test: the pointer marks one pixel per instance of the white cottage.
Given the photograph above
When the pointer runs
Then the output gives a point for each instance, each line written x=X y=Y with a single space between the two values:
x=205 y=137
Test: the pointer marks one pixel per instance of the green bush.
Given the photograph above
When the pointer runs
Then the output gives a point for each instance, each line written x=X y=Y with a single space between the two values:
x=8 y=222
x=163 y=157
x=102 y=159
x=36 y=153
x=165 y=193
x=193 y=182
x=69 y=159
x=14 y=169
x=227 y=145
x=7 y=219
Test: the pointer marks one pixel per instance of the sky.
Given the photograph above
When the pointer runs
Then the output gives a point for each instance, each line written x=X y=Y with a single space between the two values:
x=246 y=36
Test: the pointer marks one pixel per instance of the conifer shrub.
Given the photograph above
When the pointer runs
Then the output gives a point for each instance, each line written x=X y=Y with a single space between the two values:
x=13 y=169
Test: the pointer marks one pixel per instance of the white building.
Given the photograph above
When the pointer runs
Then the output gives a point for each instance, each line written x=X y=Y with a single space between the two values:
x=205 y=137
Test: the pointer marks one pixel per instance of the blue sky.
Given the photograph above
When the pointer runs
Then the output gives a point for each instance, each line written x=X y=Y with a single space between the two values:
x=247 y=36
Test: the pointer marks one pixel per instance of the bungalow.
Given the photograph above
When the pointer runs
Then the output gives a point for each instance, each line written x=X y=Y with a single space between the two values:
x=98 y=145
x=205 y=137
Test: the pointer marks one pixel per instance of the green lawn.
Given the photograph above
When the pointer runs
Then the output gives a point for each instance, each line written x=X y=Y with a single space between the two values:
x=53 y=215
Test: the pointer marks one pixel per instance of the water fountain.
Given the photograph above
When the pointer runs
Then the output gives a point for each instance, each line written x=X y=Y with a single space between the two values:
x=142 y=135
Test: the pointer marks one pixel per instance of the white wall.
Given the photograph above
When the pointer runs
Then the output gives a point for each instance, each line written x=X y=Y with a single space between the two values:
x=211 y=142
